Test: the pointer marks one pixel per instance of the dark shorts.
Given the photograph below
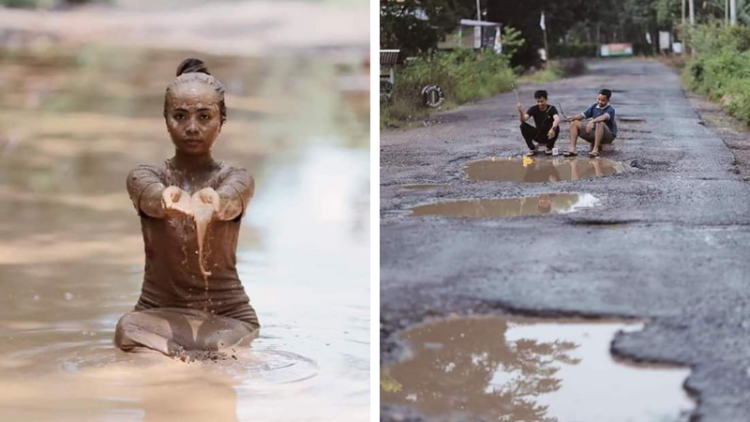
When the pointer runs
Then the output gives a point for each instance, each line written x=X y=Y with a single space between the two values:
x=589 y=137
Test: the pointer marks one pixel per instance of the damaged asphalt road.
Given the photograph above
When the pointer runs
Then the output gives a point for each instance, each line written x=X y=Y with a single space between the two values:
x=668 y=241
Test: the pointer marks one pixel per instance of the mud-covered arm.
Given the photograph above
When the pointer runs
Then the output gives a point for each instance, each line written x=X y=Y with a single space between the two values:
x=145 y=189
x=235 y=192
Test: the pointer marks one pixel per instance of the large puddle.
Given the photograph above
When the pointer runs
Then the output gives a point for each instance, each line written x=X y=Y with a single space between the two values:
x=540 y=169
x=511 y=207
x=500 y=369
x=71 y=249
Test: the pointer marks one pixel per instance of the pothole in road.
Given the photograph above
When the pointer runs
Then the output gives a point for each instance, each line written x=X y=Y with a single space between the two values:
x=511 y=369
x=631 y=120
x=510 y=207
x=604 y=224
x=422 y=186
x=540 y=170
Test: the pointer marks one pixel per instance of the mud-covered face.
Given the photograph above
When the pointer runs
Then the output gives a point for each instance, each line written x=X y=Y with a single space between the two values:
x=193 y=117
x=602 y=100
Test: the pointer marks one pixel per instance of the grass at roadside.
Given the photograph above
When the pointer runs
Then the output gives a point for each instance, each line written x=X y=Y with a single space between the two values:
x=464 y=76
x=719 y=69
x=555 y=70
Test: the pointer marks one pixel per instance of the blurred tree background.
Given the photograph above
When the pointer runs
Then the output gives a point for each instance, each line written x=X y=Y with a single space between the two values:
x=574 y=27
x=716 y=66
x=47 y=4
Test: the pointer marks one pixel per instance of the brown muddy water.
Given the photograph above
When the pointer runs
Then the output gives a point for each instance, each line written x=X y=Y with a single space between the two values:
x=71 y=252
x=540 y=169
x=510 y=369
x=512 y=207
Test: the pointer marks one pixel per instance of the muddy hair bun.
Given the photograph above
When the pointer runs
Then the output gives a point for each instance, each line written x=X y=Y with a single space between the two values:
x=192 y=66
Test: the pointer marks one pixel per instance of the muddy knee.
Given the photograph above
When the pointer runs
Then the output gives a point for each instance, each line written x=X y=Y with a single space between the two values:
x=125 y=325
x=232 y=333
x=137 y=330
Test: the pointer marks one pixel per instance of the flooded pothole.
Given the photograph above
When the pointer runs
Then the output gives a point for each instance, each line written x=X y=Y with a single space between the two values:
x=511 y=207
x=502 y=369
x=421 y=186
x=540 y=170
x=633 y=120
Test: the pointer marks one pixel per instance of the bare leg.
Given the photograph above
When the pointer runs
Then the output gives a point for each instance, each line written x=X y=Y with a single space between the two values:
x=575 y=127
x=598 y=135
x=597 y=167
x=175 y=330
x=574 y=170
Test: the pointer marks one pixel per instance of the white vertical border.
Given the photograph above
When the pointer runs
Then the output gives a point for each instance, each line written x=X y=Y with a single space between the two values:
x=374 y=210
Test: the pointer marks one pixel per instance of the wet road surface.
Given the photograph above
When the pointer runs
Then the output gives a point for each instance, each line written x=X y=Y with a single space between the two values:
x=667 y=241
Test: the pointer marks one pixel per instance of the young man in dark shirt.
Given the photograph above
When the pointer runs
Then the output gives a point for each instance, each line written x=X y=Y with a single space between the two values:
x=546 y=121
x=594 y=131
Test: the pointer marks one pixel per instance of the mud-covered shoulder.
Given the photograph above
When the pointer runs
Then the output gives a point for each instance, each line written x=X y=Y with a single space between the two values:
x=232 y=174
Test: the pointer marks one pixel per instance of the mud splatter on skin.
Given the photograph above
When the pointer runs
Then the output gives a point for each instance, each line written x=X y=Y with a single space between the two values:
x=197 y=214
x=202 y=216
x=200 y=213
x=195 y=112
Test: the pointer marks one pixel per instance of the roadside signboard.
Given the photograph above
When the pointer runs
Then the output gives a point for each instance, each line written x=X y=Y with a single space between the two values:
x=665 y=40
x=616 y=50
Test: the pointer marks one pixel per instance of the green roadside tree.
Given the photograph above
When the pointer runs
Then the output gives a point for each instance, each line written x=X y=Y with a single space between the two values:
x=416 y=26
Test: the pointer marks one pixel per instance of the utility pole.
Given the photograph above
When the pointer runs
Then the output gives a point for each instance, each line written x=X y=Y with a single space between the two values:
x=479 y=11
x=543 y=25
x=683 y=12
x=692 y=12
x=726 y=12
x=733 y=12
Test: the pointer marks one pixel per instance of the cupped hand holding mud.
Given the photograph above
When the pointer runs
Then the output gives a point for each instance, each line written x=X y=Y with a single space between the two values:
x=176 y=202
x=205 y=197
x=203 y=206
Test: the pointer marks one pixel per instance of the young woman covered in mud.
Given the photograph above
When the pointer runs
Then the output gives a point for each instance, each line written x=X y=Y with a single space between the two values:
x=190 y=208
